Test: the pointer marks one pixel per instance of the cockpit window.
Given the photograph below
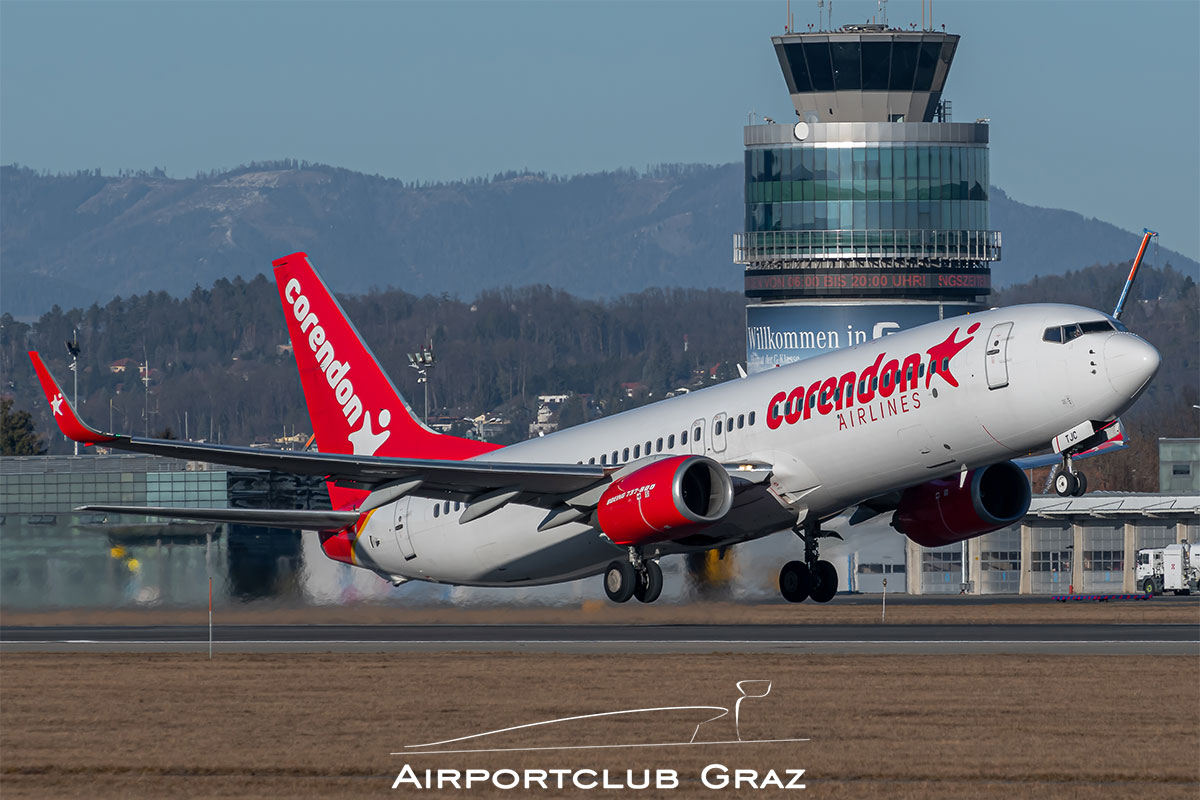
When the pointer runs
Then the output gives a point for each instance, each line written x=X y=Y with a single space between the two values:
x=1066 y=333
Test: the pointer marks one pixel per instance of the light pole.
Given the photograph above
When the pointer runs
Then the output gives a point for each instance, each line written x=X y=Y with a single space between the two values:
x=73 y=350
x=422 y=361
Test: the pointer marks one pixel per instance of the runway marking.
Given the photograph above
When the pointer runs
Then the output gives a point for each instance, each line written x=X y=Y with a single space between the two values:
x=600 y=641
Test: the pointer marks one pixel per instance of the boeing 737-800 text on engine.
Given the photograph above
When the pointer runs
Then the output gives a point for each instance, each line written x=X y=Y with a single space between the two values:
x=921 y=425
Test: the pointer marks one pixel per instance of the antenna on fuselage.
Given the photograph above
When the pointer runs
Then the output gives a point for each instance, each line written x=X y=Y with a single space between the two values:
x=1147 y=234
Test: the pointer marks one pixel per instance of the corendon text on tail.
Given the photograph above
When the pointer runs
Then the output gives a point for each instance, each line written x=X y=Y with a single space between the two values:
x=921 y=426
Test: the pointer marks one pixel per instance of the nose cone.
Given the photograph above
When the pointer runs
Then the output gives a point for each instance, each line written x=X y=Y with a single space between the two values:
x=1130 y=363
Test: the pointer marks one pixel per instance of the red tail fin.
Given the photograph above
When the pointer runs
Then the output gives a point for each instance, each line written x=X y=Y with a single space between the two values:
x=353 y=405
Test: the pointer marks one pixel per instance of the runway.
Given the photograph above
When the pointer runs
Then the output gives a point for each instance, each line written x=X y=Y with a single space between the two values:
x=1063 y=639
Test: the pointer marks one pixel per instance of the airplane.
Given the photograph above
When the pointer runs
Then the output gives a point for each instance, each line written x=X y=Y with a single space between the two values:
x=923 y=424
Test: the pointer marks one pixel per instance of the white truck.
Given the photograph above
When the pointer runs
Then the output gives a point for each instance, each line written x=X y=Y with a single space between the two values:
x=1174 y=568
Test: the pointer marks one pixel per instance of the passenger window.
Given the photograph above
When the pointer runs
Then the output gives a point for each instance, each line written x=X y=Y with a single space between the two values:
x=637 y=451
x=648 y=448
x=456 y=505
x=812 y=401
x=751 y=419
x=696 y=433
x=717 y=428
x=671 y=441
x=683 y=438
x=446 y=509
x=603 y=461
x=592 y=460
x=1053 y=335
x=921 y=370
x=658 y=445
x=614 y=457
x=887 y=379
x=625 y=454
x=741 y=421
x=437 y=509
x=933 y=367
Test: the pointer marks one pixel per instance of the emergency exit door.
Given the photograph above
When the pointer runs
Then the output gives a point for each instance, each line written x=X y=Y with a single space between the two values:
x=402 y=537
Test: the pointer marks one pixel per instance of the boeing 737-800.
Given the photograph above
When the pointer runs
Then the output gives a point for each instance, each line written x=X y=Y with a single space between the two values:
x=922 y=425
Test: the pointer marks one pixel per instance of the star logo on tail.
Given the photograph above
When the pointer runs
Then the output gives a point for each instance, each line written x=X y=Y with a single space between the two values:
x=945 y=352
x=56 y=403
x=364 y=441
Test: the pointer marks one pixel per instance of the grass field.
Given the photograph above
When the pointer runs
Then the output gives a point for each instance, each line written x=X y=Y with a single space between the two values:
x=304 y=725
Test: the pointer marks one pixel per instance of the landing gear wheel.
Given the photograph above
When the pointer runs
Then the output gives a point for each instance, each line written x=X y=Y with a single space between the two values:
x=794 y=581
x=1148 y=586
x=1080 y=485
x=649 y=583
x=620 y=581
x=1065 y=484
x=825 y=582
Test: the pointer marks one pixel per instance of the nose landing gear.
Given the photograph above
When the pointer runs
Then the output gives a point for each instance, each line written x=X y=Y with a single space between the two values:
x=638 y=577
x=800 y=580
x=1070 y=482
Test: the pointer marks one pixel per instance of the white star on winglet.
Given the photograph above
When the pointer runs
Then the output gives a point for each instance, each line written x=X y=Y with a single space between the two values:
x=56 y=404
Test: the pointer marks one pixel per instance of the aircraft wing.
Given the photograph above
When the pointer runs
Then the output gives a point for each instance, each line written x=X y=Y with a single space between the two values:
x=387 y=478
x=266 y=517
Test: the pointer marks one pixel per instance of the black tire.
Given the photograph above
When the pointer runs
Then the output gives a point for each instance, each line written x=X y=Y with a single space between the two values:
x=825 y=582
x=620 y=580
x=794 y=581
x=649 y=583
x=1065 y=484
x=1080 y=485
x=1148 y=586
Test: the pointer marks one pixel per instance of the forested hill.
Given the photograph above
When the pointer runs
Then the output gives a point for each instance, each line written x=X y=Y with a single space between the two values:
x=83 y=238
x=216 y=360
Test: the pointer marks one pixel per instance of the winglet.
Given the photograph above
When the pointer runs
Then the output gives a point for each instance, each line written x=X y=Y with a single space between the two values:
x=68 y=421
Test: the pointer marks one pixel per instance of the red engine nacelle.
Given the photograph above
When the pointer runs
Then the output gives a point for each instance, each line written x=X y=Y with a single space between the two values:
x=665 y=500
x=941 y=512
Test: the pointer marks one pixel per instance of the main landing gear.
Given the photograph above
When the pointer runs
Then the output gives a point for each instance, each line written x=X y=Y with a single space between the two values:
x=1070 y=482
x=799 y=580
x=638 y=577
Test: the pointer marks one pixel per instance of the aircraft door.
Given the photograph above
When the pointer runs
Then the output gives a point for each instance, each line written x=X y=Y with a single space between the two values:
x=696 y=437
x=399 y=523
x=718 y=434
x=996 y=366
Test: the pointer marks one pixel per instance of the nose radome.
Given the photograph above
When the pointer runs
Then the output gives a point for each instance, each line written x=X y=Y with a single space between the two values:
x=1130 y=363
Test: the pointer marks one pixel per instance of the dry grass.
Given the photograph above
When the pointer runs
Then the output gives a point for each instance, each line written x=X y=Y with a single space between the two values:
x=974 y=612
x=121 y=725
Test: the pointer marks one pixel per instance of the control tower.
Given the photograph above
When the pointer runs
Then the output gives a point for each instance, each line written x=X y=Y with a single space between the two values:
x=869 y=212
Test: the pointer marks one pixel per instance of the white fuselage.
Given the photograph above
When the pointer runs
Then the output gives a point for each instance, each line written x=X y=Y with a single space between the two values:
x=1015 y=392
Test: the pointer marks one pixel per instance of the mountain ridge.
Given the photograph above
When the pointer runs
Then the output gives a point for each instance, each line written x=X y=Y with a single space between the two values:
x=74 y=240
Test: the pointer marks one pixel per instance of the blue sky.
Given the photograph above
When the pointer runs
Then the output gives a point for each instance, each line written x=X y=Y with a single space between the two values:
x=1095 y=106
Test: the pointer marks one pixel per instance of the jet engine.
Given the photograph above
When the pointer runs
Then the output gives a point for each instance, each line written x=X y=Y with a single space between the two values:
x=665 y=499
x=943 y=512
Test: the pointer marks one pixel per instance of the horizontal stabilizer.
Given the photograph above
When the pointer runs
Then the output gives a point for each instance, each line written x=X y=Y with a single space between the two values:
x=266 y=517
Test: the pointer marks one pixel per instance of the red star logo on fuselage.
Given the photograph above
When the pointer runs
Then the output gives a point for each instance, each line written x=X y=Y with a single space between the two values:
x=943 y=353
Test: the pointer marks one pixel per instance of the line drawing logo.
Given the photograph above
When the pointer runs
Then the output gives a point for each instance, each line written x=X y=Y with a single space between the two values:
x=747 y=690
